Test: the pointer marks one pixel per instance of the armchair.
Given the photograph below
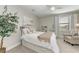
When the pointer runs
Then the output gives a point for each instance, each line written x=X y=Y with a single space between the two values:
x=72 y=38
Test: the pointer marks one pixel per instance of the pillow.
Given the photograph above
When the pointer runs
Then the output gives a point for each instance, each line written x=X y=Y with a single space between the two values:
x=32 y=30
x=26 y=31
x=74 y=32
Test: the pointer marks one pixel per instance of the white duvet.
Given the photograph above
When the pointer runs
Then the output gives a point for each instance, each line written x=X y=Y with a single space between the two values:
x=33 y=38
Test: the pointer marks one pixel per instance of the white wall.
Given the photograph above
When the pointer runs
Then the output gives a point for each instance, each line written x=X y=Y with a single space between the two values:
x=72 y=17
x=52 y=21
x=14 y=39
x=47 y=21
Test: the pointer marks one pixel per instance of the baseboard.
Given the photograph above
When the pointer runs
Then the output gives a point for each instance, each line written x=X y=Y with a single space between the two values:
x=13 y=46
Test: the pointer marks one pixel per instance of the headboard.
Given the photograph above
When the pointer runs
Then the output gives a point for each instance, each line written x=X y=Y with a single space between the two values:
x=28 y=26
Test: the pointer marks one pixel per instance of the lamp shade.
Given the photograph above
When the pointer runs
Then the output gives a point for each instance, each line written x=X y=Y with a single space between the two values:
x=77 y=25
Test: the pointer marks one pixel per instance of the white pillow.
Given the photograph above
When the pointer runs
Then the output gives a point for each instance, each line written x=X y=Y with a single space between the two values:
x=31 y=29
x=26 y=31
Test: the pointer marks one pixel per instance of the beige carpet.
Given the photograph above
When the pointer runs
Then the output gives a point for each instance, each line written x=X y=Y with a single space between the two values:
x=67 y=48
x=21 y=49
x=64 y=47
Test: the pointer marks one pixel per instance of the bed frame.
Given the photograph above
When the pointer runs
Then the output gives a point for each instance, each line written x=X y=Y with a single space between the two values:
x=36 y=48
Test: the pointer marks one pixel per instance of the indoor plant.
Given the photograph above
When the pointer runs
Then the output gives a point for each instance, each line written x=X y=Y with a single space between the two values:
x=8 y=23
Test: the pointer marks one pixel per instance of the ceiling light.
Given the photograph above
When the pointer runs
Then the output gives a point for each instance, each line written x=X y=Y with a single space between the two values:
x=53 y=8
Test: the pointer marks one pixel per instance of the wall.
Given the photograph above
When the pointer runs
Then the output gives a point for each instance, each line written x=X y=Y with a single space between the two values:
x=14 y=39
x=72 y=17
x=47 y=21
x=52 y=21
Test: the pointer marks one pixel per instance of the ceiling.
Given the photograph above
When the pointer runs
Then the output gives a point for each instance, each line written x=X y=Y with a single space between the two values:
x=44 y=10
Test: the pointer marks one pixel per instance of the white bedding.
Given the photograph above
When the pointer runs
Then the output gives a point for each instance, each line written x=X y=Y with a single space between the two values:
x=32 y=38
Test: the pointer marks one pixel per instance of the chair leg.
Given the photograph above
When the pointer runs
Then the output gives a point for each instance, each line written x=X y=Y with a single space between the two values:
x=72 y=44
x=64 y=40
x=69 y=43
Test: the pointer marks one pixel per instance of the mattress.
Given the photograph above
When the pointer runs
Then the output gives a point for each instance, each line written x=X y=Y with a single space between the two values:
x=33 y=38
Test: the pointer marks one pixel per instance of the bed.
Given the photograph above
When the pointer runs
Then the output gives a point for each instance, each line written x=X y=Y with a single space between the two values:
x=33 y=42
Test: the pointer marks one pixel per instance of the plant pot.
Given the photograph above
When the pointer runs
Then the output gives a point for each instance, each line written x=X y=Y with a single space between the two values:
x=2 y=50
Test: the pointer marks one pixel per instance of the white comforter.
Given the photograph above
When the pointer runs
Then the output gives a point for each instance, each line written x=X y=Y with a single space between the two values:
x=32 y=38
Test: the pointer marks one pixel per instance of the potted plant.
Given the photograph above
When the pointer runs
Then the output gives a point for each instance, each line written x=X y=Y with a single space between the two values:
x=8 y=23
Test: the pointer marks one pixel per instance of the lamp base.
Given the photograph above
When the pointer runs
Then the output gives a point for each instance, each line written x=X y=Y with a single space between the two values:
x=2 y=50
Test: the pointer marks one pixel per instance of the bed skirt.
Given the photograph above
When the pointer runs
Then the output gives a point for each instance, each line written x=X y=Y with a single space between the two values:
x=36 y=48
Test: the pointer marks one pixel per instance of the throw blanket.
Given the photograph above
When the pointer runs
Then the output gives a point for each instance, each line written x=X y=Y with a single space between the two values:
x=45 y=36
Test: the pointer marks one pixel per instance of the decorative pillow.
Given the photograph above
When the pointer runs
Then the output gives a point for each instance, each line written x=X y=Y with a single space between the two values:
x=32 y=30
x=74 y=32
x=26 y=31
